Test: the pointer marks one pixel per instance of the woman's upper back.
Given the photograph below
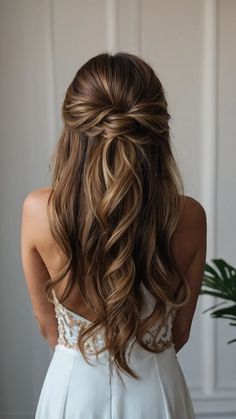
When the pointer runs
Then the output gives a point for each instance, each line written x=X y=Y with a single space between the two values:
x=184 y=244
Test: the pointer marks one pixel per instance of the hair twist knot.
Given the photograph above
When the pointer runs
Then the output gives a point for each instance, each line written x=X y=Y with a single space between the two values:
x=110 y=123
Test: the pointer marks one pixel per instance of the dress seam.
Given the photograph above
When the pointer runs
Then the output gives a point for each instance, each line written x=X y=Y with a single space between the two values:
x=110 y=386
x=160 y=384
x=69 y=382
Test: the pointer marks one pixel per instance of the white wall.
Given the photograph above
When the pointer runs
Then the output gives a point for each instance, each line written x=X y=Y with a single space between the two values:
x=190 y=45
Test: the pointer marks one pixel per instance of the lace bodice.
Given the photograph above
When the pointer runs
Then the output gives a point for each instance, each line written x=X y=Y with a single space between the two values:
x=70 y=325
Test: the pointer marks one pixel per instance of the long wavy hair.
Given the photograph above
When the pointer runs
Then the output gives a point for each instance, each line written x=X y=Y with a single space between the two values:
x=116 y=200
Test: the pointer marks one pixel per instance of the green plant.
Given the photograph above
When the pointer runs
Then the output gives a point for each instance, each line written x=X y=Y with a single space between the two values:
x=220 y=282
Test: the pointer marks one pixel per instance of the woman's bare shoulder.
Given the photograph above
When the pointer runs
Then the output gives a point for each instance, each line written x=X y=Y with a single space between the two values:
x=189 y=237
x=37 y=197
x=34 y=214
x=193 y=214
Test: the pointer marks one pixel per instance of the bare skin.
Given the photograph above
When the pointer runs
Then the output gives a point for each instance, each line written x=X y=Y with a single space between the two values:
x=42 y=258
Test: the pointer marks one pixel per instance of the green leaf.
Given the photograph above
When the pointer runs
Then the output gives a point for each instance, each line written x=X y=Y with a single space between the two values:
x=211 y=308
x=216 y=294
x=220 y=282
x=231 y=341
x=208 y=268
x=226 y=270
x=225 y=313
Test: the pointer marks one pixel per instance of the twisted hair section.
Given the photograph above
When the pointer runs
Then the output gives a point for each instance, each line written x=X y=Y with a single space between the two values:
x=115 y=200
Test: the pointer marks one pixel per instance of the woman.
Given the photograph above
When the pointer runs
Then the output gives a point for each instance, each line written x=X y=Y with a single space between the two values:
x=114 y=252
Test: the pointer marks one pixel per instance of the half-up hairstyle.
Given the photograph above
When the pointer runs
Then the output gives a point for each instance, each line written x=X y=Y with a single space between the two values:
x=116 y=199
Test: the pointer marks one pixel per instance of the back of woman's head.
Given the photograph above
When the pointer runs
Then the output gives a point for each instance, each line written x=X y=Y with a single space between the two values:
x=115 y=200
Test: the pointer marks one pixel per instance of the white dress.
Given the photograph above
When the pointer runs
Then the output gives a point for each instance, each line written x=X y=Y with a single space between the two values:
x=73 y=389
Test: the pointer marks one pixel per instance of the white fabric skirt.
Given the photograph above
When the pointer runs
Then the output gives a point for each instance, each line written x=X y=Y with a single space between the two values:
x=73 y=389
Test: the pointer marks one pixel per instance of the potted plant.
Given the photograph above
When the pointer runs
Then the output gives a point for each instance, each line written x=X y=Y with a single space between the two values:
x=220 y=281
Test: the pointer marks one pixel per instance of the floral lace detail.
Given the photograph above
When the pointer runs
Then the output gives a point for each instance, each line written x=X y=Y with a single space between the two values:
x=159 y=337
x=70 y=324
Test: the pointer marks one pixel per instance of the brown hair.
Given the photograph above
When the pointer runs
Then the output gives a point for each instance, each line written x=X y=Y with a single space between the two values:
x=115 y=200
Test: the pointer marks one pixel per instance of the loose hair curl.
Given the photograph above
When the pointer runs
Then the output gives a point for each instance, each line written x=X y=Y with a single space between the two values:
x=115 y=199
